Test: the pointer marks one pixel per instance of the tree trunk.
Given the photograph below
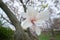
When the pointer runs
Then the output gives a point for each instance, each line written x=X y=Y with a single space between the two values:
x=19 y=33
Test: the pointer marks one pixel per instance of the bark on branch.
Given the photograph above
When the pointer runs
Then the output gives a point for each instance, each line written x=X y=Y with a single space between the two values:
x=20 y=34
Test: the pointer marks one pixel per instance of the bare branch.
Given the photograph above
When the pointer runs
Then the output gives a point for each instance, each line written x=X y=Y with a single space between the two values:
x=5 y=19
x=24 y=6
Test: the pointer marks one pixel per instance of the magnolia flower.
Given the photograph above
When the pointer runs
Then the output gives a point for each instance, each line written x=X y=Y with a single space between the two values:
x=33 y=18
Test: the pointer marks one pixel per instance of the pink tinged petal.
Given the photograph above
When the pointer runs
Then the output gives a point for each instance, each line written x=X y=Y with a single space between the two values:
x=31 y=14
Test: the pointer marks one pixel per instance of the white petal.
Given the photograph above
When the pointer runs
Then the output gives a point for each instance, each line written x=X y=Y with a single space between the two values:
x=25 y=24
x=38 y=31
x=31 y=12
x=39 y=23
x=43 y=15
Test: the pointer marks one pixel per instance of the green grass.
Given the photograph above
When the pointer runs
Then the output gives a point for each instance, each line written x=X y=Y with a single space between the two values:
x=57 y=35
x=44 y=36
x=6 y=33
x=48 y=36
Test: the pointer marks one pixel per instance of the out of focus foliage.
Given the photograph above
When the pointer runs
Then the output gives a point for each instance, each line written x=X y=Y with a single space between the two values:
x=6 y=33
x=47 y=36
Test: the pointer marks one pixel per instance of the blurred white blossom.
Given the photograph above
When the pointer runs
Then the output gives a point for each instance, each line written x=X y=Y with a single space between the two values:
x=33 y=17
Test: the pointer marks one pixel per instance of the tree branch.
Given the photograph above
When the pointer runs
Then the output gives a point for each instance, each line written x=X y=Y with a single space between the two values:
x=24 y=6
x=19 y=34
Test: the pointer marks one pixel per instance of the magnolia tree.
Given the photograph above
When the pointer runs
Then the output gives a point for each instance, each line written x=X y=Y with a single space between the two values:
x=30 y=15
